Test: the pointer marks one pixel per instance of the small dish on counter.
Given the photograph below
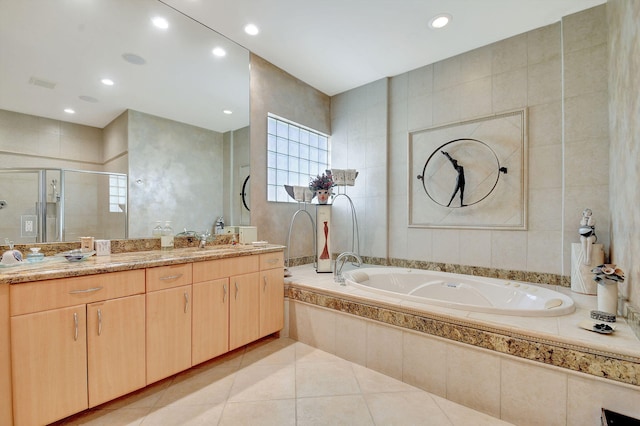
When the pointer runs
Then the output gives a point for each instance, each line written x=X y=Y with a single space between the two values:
x=76 y=255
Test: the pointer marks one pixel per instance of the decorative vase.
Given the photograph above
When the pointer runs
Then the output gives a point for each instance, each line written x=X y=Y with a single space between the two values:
x=323 y=196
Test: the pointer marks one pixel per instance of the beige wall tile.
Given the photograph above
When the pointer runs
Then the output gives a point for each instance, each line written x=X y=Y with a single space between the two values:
x=472 y=379
x=313 y=326
x=477 y=98
x=545 y=167
x=509 y=90
x=475 y=247
x=544 y=127
x=351 y=339
x=446 y=74
x=544 y=82
x=445 y=245
x=586 y=397
x=476 y=64
x=383 y=350
x=543 y=44
x=509 y=250
x=424 y=363
x=525 y=388
x=587 y=70
x=545 y=209
x=509 y=54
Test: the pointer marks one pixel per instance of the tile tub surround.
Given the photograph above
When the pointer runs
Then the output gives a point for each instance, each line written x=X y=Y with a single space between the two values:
x=553 y=341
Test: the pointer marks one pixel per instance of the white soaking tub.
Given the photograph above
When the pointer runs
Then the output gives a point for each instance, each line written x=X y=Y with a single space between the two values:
x=464 y=292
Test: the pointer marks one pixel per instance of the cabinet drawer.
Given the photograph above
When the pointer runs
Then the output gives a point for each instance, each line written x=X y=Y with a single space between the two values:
x=272 y=260
x=168 y=276
x=221 y=268
x=59 y=293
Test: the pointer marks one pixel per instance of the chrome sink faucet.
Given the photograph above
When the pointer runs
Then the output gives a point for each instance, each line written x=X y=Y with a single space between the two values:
x=337 y=270
x=203 y=239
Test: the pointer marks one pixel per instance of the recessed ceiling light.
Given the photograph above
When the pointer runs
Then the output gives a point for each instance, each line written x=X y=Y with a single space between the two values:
x=69 y=111
x=251 y=29
x=134 y=59
x=227 y=111
x=160 y=22
x=440 y=21
x=107 y=82
x=219 y=51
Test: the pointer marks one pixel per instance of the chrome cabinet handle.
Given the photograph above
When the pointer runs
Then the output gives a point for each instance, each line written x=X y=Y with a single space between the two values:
x=99 y=322
x=264 y=288
x=88 y=290
x=170 y=277
x=236 y=290
x=224 y=295
x=186 y=301
x=272 y=261
x=75 y=323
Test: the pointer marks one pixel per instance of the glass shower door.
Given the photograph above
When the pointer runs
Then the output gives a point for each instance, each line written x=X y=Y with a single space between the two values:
x=95 y=204
x=20 y=195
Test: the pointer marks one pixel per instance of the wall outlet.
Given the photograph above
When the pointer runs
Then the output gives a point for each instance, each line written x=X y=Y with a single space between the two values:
x=28 y=225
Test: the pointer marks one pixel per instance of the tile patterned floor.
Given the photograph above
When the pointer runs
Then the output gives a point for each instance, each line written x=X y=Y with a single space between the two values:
x=280 y=382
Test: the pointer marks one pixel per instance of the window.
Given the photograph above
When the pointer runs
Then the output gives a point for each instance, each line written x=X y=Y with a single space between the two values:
x=295 y=154
x=117 y=193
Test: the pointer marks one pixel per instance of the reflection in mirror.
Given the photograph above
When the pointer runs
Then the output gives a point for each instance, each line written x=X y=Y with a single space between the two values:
x=161 y=123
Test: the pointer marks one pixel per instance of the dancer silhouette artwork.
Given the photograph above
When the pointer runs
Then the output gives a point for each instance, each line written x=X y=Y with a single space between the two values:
x=459 y=181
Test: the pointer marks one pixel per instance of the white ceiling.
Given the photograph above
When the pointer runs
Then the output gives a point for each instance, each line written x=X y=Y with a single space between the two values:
x=337 y=45
x=76 y=43
x=333 y=45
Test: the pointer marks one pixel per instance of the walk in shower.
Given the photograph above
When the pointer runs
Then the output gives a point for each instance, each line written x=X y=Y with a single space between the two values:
x=48 y=205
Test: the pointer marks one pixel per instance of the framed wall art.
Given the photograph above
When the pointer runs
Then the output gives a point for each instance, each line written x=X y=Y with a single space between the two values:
x=471 y=174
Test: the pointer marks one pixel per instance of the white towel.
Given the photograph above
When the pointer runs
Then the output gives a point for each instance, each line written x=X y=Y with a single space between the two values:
x=308 y=195
x=298 y=193
x=338 y=176
x=350 y=176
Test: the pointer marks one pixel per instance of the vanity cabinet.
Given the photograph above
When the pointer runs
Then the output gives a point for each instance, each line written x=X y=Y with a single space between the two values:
x=271 y=293
x=75 y=343
x=210 y=325
x=231 y=318
x=48 y=350
x=244 y=309
x=59 y=366
x=168 y=320
x=115 y=348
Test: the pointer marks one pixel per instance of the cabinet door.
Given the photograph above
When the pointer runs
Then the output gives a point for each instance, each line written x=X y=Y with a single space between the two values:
x=244 y=309
x=115 y=348
x=271 y=301
x=49 y=358
x=168 y=332
x=210 y=335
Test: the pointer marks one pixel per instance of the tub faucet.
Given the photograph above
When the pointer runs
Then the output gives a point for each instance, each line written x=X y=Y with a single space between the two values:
x=337 y=270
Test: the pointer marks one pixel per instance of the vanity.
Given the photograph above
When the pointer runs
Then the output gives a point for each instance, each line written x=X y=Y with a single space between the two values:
x=74 y=335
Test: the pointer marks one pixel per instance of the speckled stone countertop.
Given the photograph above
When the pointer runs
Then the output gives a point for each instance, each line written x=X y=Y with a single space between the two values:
x=59 y=267
x=556 y=341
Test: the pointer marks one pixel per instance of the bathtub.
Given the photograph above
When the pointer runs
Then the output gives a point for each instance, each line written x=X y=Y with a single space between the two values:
x=464 y=292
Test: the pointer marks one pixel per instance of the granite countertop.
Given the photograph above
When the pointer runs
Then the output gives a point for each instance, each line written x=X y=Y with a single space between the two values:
x=58 y=267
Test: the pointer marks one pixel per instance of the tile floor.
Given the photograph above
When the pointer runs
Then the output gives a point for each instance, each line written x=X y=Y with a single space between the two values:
x=278 y=381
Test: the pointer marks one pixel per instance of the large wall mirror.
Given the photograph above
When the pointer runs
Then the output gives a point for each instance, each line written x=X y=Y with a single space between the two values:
x=168 y=140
